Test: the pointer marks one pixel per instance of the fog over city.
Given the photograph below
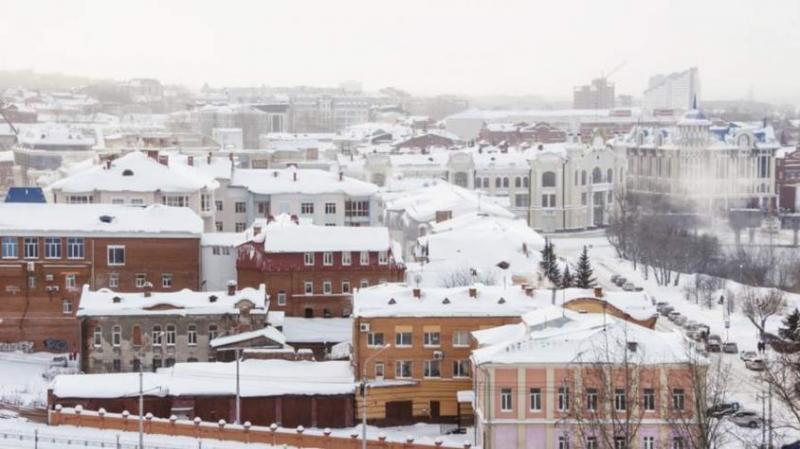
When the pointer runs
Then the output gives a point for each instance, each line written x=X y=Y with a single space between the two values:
x=442 y=47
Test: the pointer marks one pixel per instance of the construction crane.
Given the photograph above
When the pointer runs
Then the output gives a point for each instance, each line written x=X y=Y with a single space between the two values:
x=614 y=70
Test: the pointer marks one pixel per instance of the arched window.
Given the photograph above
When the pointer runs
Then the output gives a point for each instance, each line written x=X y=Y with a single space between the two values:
x=610 y=175
x=486 y=183
x=97 y=338
x=157 y=335
x=548 y=179
x=525 y=182
x=517 y=182
x=597 y=176
x=171 y=334
x=498 y=183
x=576 y=177
x=116 y=336
x=583 y=177
x=505 y=182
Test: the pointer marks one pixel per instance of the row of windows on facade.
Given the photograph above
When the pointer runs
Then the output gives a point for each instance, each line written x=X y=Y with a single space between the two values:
x=499 y=182
x=116 y=364
x=158 y=335
x=167 y=200
x=327 y=288
x=723 y=167
x=53 y=247
x=140 y=280
x=351 y=208
x=620 y=400
x=648 y=442
x=347 y=258
x=431 y=339
x=549 y=200
x=404 y=369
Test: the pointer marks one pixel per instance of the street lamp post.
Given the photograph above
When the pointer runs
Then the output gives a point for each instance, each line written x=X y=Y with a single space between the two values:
x=364 y=394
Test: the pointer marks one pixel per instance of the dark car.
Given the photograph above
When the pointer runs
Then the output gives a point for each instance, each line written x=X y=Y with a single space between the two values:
x=723 y=409
x=795 y=445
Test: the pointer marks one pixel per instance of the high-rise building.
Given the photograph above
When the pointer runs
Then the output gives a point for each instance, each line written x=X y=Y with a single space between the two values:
x=597 y=95
x=673 y=91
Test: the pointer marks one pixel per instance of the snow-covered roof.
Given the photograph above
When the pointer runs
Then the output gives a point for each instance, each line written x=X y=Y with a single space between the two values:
x=282 y=237
x=635 y=304
x=257 y=378
x=136 y=172
x=422 y=204
x=266 y=332
x=398 y=300
x=53 y=134
x=106 y=302
x=302 y=181
x=560 y=336
x=223 y=238
x=317 y=330
x=98 y=219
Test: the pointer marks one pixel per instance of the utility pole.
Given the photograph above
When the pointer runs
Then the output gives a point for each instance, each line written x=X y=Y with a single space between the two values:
x=763 y=398
x=238 y=397
x=141 y=407
x=769 y=419
x=364 y=395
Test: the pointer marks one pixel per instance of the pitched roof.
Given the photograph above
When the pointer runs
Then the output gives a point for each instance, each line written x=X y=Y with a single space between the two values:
x=306 y=181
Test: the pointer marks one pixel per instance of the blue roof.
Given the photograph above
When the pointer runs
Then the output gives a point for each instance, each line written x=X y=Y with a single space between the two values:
x=25 y=195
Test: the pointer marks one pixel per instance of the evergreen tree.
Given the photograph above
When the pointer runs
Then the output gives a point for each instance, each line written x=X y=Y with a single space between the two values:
x=567 y=280
x=584 y=272
x=544 y=264
x=791 y=323
x=553 y=272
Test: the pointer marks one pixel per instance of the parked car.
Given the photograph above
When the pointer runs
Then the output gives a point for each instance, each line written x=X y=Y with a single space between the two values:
x=620 y=281
x=638 y=289
x=673 y=314
x=755 y=365
x=723 y=409
x=8 y=414
x=745 y=418
x=666 y=310
x=748 y=355
x=694 y=335
x=680 y=320
x=59 y=361
x=714 y=343
x=701 y=349
x=628 y=287
x=730 y=348
x=660 y=305
x=690 y=325
x=614 y=278
x=795 y=445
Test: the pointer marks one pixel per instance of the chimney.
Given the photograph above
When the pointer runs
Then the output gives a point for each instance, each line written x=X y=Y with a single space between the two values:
x=230 y=156
x=598 y=292
x=256 y=229
x=443 y=215
x=294 y=176
x=473 y=292
x=231 y=288
x=163 y=160
x=529 y=291
x=208 y=158
x=633 y=346
x=108 y=164
x=148 y=289
x=152 y=154
x=295 y=220
x=417 y=293
x=190 y=160
x=270 y=218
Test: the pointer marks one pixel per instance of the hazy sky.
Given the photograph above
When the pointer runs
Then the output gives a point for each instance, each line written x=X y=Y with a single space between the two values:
x=426 y=47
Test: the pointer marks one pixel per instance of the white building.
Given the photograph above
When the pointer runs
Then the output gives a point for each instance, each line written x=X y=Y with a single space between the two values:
x=676 y=90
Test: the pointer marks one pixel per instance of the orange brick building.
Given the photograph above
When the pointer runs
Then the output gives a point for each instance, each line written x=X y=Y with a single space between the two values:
x=49 y=251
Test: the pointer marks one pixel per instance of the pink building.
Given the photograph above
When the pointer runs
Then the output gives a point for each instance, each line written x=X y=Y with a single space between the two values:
x=555 y=379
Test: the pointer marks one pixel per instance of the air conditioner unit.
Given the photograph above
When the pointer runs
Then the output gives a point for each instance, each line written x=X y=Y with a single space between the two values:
x=364 y=327
x=438 y=355
x=31 y=266
x=48 y=277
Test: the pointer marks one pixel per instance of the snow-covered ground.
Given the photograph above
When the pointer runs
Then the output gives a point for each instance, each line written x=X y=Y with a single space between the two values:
x=744 y=385
x=22 y=380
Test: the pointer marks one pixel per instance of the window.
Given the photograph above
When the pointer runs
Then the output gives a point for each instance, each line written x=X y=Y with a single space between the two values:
x=137 y=201
x=522 y=200
x=364 y=258
x=619 y=443
x=677 y=443
x=141 y=280
x=649 y=400
x=327 y=258
x=97 y=337
x=116 y=365
x=591 y=443
x=536 y=399
x=346 y=258
x=583 y=177
x=548 y=179
x=308 y=259
x=239 y=207
x=117 y=201
x=219 y=205
x=505 y=400
x=113 y=280
x=175 y=200
x=308 y=287
x=116 y=255
x=563 y=399
x=379 y=370
x=563 y=442
x=345 y=286
x=677 y=399
x=212 y=331
x=649 y=443
x=620 y=400
x=375 y=339
x=171 y=335
x=356 y=208
x=461 y=368
x=549 y=201
x=364 y=283
x=461 y=338
x=281 y=298
x=52 y=248
x=170 y=362
x=402 y=369
x=306 y=208
x=157 y=335
x=327 y=288
x=505 y=183
x=591 y=399
x=79 y=199
x=136 y=335
x=525 y=182
x=66 y=306
x=383 y=258
x=517 y=182
x=69 y=281
x=10 y=248
x=191 y=335
x=218 y=226
x=432 y=368
x=156 y=362
x=205 y=202
x=116 y=336
x=597 y=176
x=75 y=248
x=402 y=339
x=610 y=175
x=31 y=282
x=498 y=183
x=330 y=208
x=584 y=198
x=431 y=339
x=31 y=245
x=239 y=227
x=166 y=280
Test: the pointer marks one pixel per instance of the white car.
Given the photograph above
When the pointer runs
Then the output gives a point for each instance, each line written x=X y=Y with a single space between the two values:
x=745 y=418
x=748 y=355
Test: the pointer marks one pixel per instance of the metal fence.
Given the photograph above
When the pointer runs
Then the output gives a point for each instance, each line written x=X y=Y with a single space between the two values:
x=43 y=440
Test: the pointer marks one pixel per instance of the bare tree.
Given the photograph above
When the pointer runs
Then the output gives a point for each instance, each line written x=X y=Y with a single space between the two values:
x=758 y=307
x=464 y=276
x=782 y=374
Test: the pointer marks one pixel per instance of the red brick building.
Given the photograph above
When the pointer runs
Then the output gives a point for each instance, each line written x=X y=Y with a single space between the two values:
x=431 y=138
x=310 y=270
x=49 y=251
x=517 y=133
